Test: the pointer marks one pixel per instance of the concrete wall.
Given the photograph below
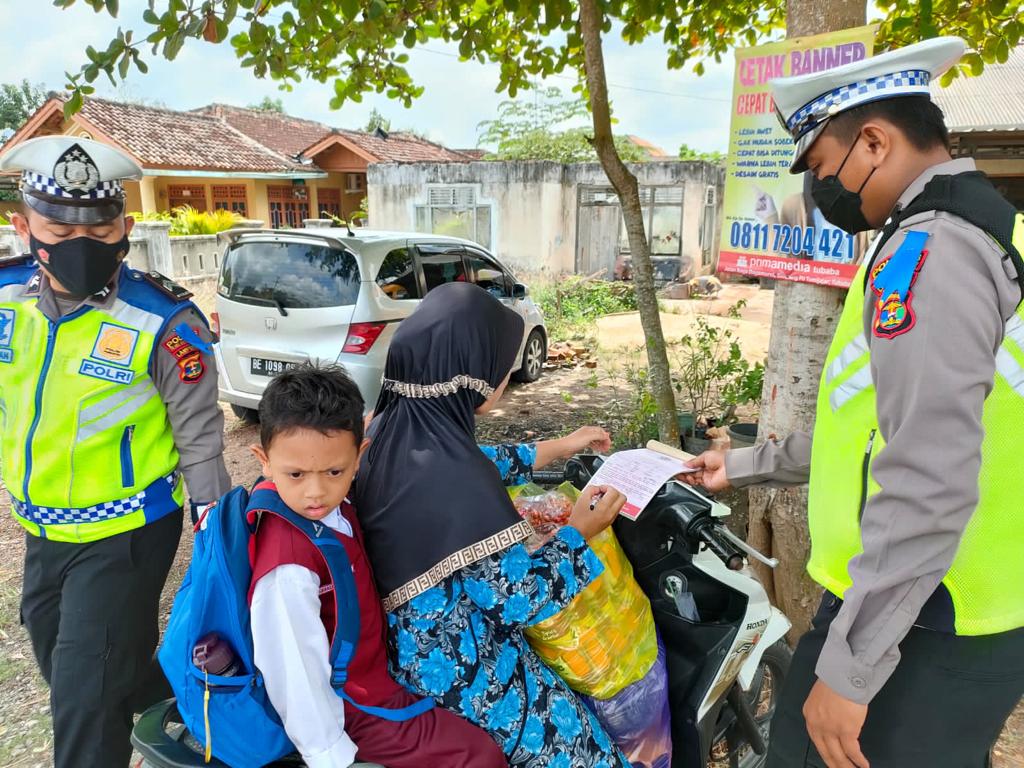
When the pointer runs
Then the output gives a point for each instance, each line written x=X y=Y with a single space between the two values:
x=534 y=204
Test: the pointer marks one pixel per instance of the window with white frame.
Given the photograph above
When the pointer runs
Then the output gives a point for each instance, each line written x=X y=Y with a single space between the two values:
x=455 y=211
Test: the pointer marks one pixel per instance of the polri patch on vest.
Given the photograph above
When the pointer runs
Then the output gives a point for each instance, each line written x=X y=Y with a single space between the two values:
x=892 y=281
x=106 y=372
x=115 y=344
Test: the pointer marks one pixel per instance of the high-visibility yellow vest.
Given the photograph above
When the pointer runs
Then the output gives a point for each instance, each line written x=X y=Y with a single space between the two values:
x=985 y=579
x=85 y=443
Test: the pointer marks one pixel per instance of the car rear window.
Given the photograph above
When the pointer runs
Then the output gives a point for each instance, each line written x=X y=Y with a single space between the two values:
x=296 y=275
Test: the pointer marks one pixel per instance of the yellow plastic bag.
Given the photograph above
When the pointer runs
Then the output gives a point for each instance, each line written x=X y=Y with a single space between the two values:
x=604 y=639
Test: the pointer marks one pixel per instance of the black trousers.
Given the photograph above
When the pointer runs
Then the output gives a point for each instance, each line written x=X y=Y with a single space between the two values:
x=943 y=707
x=92 y=614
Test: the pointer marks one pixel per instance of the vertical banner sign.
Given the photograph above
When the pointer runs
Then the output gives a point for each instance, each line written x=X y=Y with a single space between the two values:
x=771 y=227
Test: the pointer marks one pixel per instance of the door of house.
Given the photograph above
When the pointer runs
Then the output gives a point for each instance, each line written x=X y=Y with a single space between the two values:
x=597 y=230
x=289 y=205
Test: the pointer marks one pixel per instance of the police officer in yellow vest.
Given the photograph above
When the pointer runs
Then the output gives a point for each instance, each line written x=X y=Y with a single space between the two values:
x=108 y=397
x=916 y=471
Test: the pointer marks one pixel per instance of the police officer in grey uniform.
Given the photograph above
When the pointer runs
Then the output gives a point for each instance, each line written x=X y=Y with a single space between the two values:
x=916 y=469
x=109 y=391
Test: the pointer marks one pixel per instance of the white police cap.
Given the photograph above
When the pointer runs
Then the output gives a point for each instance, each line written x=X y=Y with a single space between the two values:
x=71 y=179
x=805 y=103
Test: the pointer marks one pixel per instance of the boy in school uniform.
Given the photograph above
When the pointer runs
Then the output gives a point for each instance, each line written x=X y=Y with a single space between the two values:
x=311 y=440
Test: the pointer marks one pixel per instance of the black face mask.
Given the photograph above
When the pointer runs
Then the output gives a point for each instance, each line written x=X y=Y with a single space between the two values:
x=837 y=204
x=83 y=265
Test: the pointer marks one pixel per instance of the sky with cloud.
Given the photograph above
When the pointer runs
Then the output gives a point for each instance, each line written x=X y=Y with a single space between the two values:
x=667 y=107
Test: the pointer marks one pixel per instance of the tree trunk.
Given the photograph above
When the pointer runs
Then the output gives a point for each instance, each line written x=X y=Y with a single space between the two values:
x=803 y=321
x=626 y=186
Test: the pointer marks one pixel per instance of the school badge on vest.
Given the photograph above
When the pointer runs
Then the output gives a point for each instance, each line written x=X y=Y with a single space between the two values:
x=6 y=335
x=892 y=281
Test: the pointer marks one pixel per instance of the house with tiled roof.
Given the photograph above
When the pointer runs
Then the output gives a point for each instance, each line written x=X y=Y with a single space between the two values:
x=264 y=165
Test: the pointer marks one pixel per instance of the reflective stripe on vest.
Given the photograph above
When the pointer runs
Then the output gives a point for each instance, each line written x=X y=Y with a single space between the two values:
x=1006 y=365
x=984 y=579
x=88 y=452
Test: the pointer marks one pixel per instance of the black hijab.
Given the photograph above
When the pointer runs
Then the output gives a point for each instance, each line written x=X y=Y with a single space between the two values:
x=428 y=500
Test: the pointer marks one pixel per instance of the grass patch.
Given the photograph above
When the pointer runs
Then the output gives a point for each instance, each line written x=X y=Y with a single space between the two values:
x=572 y=305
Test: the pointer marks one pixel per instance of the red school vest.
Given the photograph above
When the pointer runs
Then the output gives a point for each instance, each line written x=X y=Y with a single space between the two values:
x=279 y=543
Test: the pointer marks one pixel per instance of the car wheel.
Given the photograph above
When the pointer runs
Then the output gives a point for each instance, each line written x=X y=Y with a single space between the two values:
x=248 y=416
x=534 y=354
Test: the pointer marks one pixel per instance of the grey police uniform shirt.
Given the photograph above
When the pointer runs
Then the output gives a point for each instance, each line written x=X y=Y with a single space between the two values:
x=197 y=421
x=931 y=384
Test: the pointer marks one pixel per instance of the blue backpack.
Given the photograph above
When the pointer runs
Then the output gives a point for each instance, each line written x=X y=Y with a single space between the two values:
x=233 y=715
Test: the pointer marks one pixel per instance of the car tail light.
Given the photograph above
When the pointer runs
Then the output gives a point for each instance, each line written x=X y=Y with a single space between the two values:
x=215 y=324
x=361 y=337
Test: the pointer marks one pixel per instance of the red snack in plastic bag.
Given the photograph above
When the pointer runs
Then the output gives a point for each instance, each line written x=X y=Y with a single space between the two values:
x=545 y=513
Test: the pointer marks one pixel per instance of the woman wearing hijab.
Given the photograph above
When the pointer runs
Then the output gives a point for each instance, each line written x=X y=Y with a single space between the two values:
x=446 y=546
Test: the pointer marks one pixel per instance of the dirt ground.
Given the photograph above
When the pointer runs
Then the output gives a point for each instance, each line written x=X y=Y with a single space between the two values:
x=561 y=401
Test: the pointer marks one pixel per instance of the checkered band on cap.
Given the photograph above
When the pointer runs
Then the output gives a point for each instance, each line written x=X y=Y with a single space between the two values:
x=809 y=116
x=108 y=510
x=48 y=185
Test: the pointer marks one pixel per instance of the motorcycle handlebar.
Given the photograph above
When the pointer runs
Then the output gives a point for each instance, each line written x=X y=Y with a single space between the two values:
x=722 y=547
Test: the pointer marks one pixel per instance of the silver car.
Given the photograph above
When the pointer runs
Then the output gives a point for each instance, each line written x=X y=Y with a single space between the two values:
x=290 y=296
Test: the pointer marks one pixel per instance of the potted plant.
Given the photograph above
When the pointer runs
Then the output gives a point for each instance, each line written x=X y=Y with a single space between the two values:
x=712 y=378
x=745 y=388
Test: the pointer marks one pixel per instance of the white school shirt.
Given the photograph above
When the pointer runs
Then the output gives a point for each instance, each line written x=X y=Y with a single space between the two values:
x=292 y=651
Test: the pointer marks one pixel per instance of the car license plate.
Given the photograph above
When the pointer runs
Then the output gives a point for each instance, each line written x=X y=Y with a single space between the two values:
x=260 y=366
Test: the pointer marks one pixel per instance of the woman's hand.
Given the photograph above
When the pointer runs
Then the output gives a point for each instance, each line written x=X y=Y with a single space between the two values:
x=594 y=438
x=577 y=442
x=596 y=509
x=710 y=473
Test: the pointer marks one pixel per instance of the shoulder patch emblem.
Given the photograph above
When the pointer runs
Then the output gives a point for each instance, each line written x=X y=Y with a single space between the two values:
x=191 y=369
x=892 y=282
x=189 y=359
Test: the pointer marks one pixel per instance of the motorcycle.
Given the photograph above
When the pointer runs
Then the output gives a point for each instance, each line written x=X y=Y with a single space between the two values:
x=725 y=652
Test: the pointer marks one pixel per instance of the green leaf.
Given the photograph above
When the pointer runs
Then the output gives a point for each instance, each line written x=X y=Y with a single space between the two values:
x=350 y=8
x=73 y=104
x=142 y=66
x=122 y=67
x=173 y=45
x=149 y=16
x=1003 y=51
x=975 y=63
x=112 y=7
